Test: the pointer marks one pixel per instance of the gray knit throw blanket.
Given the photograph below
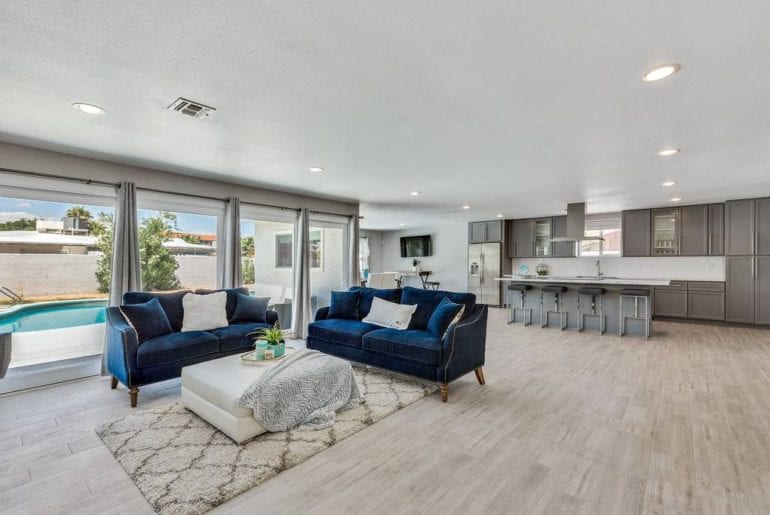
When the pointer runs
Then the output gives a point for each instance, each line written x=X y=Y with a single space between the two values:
x=303 y=391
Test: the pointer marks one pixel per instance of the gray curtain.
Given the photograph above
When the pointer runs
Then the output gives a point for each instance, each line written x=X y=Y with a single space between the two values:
x=301 y=313
x=354 y=276
x=5 y=353
x=126 y=269
x=229 y=259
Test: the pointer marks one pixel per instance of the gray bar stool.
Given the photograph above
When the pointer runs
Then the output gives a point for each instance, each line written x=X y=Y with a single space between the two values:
x=558 y=304
x=630 y=293
x=592 y=292
x=522 y=289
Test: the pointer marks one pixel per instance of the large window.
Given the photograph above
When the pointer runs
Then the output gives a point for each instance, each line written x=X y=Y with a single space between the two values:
x=178 y=241
x=55 y=271
x=608 y=226
x=284 y=248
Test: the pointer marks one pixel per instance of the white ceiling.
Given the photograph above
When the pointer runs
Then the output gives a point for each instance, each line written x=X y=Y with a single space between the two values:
x=511 y=106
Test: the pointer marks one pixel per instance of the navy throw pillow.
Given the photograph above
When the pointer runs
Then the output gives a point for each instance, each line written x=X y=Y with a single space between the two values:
x=148 y=319
x=171 y=302
x=250 y=309
x=442 y=316
x=344 y=305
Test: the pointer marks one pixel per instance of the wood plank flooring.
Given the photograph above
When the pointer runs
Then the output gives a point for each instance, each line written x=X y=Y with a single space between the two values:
x=567 y=423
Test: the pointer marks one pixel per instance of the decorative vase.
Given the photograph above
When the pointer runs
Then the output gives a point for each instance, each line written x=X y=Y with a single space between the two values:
x=278 y=350
x=260 y=346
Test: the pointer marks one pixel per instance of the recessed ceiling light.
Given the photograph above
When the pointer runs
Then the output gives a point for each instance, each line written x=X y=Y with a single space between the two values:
x=88 y=108
x=466 y=207
x=668 y=183
x=316 y=169
x=402 y=224
x=499 y=215
x=676 y=199
x=661 y=72
x=669 y=152
x=414 y=193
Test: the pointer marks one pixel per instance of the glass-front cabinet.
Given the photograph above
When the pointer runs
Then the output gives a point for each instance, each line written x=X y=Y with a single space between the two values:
x=665 y=232
x=543 y=237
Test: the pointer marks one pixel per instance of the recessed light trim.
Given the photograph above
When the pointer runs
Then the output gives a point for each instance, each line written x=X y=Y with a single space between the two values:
x=669 y=152
x=661 y=72
x=499 y=215
x=466 y=207
x=316 y=169
x=668 y=183
x=88 y=108
x=414 y=193
x=676 y=199
x=402 y=224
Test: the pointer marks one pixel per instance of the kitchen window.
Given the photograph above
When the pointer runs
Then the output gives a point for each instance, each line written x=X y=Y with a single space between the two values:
x=608 y=226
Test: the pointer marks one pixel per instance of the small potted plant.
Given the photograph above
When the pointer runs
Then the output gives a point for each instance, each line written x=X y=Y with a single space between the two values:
x=415 y=265
x=270 y=342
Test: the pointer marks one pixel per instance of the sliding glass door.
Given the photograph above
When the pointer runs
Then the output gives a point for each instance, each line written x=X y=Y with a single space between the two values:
x=267 y=257
x=328 y=259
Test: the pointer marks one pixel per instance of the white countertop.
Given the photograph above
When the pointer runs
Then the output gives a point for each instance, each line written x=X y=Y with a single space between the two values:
x=584 y=280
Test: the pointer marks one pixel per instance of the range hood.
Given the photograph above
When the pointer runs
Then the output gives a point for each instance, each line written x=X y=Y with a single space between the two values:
x=576 y=225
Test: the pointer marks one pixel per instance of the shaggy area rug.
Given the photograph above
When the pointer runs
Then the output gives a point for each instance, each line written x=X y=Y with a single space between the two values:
x=183 y=465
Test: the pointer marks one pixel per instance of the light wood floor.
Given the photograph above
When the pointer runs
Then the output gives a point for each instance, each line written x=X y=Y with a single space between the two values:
x=567 y=423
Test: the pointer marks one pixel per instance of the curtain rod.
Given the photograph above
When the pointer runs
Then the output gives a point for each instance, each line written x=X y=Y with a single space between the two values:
x=153 y=190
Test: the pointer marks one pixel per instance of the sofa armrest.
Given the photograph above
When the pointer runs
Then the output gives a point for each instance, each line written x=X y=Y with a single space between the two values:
x=465 y=345
x=122 y=345
x=271 y=317
x=322 y=313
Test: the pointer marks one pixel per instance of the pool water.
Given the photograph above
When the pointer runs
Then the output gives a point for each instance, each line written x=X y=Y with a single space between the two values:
x=52 y=315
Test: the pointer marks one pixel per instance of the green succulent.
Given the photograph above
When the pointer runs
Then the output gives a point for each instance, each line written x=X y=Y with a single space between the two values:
x=273 y=335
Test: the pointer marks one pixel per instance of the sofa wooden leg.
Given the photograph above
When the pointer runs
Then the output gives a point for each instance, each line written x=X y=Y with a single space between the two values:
x=114 y=382
x=444 y=392
x=480 y=375
x=134 y=394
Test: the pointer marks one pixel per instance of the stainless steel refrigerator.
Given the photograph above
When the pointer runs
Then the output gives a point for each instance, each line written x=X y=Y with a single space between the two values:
x=484 y=266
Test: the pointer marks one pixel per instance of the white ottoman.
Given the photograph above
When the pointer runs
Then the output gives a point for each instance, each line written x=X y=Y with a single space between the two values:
x=212 y=389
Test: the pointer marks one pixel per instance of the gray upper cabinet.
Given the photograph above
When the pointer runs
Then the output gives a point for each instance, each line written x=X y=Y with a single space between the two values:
x=740 y=289
x=716 y=243
x=543 y=230
x=559 y=229
x=694 y=231
x=485 y=232
x=762 y=226
x=739 y=228
x=524 y=238
x=636 y=233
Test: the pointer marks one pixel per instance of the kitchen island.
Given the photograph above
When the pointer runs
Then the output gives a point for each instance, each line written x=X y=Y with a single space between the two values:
x=610 y=302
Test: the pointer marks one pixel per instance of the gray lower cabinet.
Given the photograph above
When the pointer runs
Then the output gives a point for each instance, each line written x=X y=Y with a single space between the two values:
x=636 y=233
x=762 y=226
x=762 y=290
x=670 y=302
x=706 y=305
x=740 y=289
x=694 y=231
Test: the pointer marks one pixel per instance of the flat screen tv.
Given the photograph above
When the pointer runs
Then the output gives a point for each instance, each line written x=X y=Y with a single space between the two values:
x=416 y=246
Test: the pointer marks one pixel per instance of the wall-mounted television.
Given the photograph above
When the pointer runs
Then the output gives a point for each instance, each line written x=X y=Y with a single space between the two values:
x=416 y=246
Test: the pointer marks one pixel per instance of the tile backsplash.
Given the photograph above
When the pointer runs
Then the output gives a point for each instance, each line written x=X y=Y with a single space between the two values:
x=711 y=268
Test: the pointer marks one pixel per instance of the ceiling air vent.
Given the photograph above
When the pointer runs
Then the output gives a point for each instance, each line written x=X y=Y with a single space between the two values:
x=190 y=108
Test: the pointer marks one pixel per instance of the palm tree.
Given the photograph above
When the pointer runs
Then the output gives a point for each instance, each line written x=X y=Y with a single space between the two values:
x=81 y=215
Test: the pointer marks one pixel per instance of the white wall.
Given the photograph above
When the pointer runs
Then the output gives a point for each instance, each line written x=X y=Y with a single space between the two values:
x=449 y=260
x=674 y=268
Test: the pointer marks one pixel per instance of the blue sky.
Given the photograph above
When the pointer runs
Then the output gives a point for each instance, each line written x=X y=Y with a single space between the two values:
x=14 y=209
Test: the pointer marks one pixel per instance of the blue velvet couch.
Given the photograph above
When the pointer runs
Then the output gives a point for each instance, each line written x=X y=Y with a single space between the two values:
x=162 y=357
x=414 y=351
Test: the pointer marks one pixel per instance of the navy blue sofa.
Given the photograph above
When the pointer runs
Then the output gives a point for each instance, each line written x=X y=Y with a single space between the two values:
x=414 y=351
x=162 y=357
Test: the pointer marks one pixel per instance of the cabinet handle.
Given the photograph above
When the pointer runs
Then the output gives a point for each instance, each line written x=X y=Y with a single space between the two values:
x=753 y=267
x=710 y=245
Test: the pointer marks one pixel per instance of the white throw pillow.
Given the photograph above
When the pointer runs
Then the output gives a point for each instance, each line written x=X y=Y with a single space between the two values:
x=204 y=312
x=390 y=314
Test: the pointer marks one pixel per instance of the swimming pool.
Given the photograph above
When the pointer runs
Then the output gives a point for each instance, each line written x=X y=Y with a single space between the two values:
x=43 y=316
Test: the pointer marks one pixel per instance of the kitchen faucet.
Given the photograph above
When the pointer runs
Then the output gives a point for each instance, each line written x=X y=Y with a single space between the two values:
x=598 y=268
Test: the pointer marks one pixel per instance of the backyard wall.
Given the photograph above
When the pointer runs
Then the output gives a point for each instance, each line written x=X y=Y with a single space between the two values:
x=32 y=275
